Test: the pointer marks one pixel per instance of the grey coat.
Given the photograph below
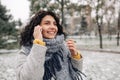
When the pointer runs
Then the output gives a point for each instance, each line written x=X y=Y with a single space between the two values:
x=31 y=67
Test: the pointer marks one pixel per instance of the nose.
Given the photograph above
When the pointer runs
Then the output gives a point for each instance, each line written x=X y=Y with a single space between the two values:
x=52 y=25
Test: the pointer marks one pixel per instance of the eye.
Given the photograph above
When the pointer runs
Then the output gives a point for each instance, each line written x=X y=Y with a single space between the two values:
x=47 y=23
x=55 y=23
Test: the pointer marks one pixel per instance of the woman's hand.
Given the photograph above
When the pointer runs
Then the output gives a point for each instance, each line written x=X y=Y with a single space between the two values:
x=72 y=47
x=37 y=34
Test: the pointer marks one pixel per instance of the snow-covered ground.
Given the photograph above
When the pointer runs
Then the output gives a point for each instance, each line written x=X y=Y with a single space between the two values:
x=94 y=44
x=96 y=65
x=7 y=66
x=101 y=65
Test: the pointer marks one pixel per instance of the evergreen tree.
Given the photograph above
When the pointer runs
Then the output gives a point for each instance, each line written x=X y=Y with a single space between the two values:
x=7 y=26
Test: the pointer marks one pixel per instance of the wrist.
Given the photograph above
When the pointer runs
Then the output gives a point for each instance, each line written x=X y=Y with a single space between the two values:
x=77 y=55
x=38 y=41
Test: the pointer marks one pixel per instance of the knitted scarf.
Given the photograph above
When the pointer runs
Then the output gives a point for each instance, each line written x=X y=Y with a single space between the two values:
x=56 y=54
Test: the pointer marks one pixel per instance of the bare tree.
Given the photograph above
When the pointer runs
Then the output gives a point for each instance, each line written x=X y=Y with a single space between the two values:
x=117 y=3
x=118 y=30
x=99 y=19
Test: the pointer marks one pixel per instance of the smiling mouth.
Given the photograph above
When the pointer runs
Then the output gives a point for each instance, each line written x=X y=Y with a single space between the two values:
x=51 y=32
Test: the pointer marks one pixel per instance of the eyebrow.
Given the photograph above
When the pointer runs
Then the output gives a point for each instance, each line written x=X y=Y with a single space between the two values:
x=49 y=21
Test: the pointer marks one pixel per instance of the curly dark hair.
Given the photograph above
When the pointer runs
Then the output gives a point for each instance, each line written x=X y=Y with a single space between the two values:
x=26 y=35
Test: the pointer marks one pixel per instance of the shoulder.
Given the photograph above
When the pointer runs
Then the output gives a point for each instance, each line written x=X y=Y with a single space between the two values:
x=25 y=50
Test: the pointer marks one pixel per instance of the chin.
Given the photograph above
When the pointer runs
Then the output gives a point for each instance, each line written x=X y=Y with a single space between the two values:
x=49 y=37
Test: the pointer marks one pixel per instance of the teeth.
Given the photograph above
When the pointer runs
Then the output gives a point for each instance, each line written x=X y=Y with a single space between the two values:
x=51 y=32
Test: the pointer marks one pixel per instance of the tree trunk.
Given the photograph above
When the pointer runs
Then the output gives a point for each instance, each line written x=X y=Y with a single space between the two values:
x=118 y=36
x=118 y=33
x=100 y=36
x=62 y=10
x=99 y=26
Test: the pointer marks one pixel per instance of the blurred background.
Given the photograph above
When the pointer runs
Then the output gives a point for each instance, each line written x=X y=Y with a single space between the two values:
x=93 y=24
x=89 y=20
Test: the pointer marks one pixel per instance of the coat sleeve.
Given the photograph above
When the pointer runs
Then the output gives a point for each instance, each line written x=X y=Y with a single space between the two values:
x=77 y=63
x=31 y=67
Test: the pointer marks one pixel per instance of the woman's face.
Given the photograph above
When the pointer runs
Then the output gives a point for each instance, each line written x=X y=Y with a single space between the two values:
x=49 y=27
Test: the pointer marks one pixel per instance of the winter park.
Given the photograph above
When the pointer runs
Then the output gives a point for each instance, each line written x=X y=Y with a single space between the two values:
x=98 y=64
x=93 y=25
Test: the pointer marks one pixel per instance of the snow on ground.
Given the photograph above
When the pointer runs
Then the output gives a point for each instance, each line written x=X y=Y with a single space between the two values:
x=7 y=66
x=96 y=65
x=101 y=66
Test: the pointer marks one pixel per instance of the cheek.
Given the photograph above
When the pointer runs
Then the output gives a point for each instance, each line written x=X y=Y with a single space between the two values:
x=44 y=32
x=56 y=29
x=44 y=29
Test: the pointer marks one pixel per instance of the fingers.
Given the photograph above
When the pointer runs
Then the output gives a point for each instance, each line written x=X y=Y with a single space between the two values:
x=71 y=43
x=71 y=46
x=38 y=27
x=37 y=32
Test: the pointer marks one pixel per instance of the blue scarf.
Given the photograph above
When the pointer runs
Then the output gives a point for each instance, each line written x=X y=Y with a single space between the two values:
x=57 y=60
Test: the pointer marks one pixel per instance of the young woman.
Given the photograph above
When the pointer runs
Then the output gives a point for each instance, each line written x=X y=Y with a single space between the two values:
x=44 y=54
